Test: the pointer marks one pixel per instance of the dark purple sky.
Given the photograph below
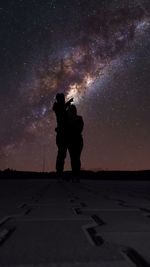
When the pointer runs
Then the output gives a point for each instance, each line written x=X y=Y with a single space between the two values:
x=96 y=51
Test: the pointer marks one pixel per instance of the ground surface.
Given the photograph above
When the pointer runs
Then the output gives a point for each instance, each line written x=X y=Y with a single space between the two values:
x=91 y=223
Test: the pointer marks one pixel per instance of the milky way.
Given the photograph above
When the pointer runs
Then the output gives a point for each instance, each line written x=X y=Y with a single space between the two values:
x=106 y=38
x=87 y=59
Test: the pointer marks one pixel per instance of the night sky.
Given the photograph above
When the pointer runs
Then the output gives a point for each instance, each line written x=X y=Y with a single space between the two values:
x=96 y=51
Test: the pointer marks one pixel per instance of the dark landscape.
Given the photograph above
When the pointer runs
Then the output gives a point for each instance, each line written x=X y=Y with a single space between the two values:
x=143 y=175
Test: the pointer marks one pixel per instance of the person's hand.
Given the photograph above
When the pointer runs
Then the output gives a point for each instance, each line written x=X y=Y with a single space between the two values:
x=71 y=100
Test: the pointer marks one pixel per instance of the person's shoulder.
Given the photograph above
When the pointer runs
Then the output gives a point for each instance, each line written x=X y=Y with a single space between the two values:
x=79 y=118
x=55 y=106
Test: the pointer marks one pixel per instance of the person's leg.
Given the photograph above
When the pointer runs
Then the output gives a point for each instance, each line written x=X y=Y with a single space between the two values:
x=71 y=154
x=77 y=162
x=73 y=159
x=61 y=154
x=75 y=152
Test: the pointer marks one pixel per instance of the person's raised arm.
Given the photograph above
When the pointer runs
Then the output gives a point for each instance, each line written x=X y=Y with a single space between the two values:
x=68 y=103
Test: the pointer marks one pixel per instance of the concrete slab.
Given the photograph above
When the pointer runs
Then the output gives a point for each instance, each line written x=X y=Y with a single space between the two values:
x=54 y=211
x=92 y=223
x=36 y=242
x=139 y=241
x=124 y=220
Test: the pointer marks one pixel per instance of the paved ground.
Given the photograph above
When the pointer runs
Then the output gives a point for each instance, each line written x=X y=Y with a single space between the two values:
x=65 y=224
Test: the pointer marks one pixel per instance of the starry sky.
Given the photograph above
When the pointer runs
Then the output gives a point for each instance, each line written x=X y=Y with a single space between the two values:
x=96 y=51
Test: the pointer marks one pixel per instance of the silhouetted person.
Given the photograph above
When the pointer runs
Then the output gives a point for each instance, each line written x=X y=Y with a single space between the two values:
x=59 y=108
x=74 y=138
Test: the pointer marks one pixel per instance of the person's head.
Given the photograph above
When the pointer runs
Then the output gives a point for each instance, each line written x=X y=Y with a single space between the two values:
x=60 y=98
x=72 y=111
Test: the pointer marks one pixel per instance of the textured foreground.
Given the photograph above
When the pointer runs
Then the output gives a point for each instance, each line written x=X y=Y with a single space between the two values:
x=91 y=223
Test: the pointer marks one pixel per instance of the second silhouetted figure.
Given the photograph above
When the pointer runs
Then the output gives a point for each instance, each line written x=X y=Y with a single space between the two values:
x=74 y=138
